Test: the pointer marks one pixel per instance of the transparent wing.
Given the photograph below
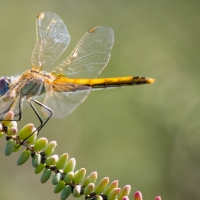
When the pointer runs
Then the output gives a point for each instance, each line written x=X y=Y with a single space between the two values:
x=90 y=56
x=52 y=39
x=64 y=103
x=88 y=59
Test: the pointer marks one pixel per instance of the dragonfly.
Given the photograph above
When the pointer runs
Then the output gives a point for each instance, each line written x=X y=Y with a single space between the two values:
x=66 y=86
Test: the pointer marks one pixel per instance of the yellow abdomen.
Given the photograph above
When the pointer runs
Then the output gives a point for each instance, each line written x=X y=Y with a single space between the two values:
x=108 y=82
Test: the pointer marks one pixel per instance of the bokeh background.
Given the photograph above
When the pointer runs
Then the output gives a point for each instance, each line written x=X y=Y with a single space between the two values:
x=146 y=136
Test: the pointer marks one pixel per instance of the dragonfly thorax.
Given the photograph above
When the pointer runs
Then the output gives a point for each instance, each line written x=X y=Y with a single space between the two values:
x=31 y=83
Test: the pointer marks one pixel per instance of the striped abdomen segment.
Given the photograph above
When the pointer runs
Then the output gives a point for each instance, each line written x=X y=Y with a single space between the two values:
x=111 y=82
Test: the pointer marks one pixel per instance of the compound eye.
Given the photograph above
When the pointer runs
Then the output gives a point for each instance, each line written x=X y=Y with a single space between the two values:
x=3 y=86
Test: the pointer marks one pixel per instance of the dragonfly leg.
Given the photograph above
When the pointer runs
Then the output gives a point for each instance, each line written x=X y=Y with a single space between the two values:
x=36 y=112
x=45 y=107
x=39 y=117
x=20 y=111
x=9 y=108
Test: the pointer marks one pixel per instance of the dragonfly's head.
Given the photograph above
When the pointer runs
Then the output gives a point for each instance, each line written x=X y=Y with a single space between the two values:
x=4 y=84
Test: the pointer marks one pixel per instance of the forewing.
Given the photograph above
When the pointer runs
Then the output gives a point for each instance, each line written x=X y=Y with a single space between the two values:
x=52 y=39
x=90 y=56
x=64 y=103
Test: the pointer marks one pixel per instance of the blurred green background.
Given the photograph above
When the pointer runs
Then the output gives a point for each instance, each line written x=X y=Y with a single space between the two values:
x=146 y=136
